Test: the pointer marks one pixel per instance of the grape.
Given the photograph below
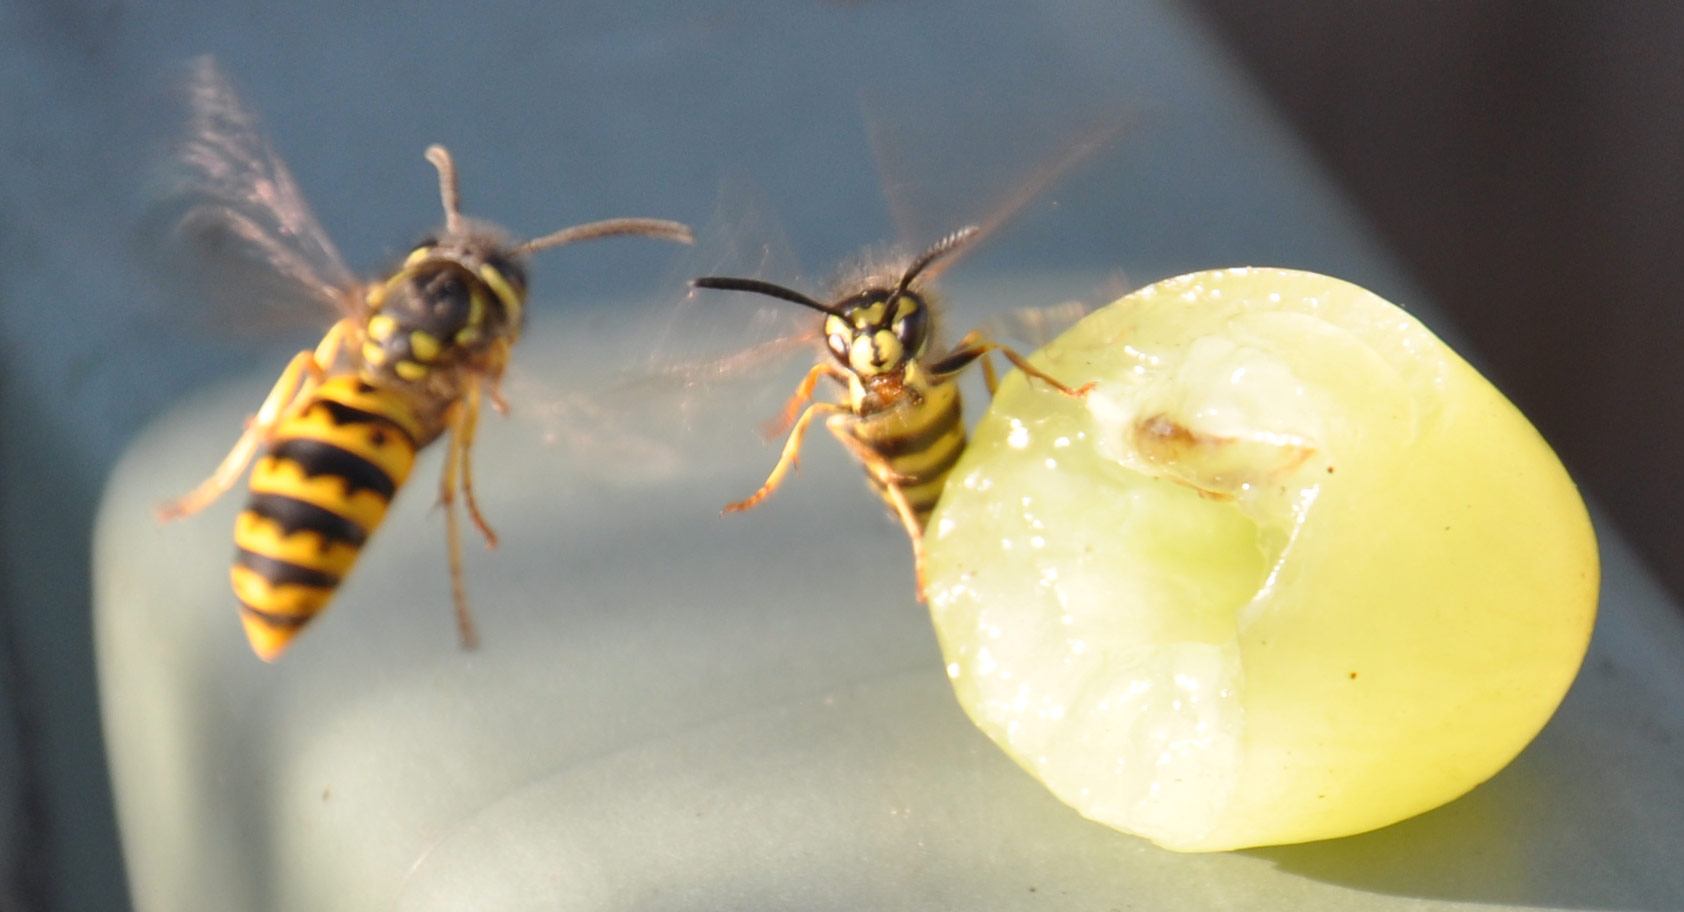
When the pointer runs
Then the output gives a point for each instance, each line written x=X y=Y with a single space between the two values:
x=1292 y=570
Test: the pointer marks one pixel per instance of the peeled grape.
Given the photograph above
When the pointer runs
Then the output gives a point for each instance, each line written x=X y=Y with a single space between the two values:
x=1292 y=569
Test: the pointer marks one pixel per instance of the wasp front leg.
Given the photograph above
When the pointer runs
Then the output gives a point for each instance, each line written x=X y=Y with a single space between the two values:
x=303 y=374
x=802 y=395
x=973 y=347
x=791 y=453
x=464 y=417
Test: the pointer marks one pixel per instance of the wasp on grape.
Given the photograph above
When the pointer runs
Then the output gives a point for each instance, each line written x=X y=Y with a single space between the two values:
x=900 y=414
x=408 y=361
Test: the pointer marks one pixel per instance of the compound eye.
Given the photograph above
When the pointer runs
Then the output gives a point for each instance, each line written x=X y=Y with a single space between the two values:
x=911 y=327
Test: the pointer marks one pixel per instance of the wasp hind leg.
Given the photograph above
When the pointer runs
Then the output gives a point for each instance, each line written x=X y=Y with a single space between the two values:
x=891 y=480
x=301 y=377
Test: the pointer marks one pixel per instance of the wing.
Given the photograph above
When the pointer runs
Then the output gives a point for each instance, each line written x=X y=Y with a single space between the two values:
x=1033 y=327
x=989 y=159
x=712 y=343
x=229 y=222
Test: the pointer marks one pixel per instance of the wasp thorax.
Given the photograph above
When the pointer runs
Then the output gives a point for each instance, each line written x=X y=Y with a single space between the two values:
x=878 y=331
x=444 y=307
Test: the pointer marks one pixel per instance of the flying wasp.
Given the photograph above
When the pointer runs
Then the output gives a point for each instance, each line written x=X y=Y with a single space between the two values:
x=900 y=415
x=408 y=361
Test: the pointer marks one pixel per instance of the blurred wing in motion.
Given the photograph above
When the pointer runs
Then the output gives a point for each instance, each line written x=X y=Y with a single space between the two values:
x=711 y=345
x=1030 y=328
x=989 y=158
x=229 y=225
x=1033 y=327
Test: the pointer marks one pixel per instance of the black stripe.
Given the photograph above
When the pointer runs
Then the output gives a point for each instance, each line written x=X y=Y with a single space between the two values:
x=289 y=621
x=346 y=414
x=294 y=515
x=922 y=439
x=918 y=507
x=930 y=473
x=317 y=457
x=920 y=510
x=281 y=573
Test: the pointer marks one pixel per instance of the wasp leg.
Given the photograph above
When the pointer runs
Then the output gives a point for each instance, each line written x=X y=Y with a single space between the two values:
x=455 y=459
x=792 y=449
x=862 y=451
x=301 y=377
x=803 y=394
x=972 y=347
x=494 y=388
x=891 y=480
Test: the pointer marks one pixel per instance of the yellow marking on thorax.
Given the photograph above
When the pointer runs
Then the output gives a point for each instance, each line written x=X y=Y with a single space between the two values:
x=425 y=345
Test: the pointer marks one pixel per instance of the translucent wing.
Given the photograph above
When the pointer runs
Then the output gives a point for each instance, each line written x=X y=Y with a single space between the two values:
x=712 y=343
x=1017 y=152
x=1033 y=327
x=230 y=223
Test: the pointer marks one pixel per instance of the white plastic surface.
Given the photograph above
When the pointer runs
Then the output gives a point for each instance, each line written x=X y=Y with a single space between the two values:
x=674 y=710
x=677 y=710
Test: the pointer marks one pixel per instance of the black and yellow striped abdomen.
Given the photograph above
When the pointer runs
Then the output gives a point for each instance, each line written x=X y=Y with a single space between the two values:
x=921 y=441
x=318 y=491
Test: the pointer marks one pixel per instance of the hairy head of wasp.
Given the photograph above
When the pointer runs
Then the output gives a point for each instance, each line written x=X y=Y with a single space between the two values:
x=407 y=361
x=901 y=416
x=456 y=306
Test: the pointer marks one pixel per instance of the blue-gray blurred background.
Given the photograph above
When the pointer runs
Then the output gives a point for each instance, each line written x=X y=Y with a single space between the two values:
x=1521 y=159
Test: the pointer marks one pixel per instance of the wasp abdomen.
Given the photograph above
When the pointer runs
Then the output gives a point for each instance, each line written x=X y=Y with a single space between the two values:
x=320 y=489
x=921 y=443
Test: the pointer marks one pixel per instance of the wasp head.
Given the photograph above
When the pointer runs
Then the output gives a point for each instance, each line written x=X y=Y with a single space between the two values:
x=878 y=331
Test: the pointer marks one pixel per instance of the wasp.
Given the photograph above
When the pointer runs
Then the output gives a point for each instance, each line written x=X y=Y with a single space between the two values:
x=409 y=360
x=900 y=414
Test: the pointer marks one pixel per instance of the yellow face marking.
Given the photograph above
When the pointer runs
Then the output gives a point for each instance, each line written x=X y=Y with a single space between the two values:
x=888 y=346
x=416 y=256
x=381 y=326
x=872 y=354
x=373 y=353
x=468 y=335
x=424 y=345
x=860 y=355
x=409 y=370
x=505 y=292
